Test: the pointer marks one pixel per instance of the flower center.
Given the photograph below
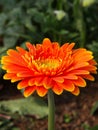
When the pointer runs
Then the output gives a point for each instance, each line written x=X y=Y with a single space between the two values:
x=48 y=66
x=49 y=63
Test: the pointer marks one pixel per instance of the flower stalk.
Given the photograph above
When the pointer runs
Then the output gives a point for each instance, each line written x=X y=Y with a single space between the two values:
x=51 y=115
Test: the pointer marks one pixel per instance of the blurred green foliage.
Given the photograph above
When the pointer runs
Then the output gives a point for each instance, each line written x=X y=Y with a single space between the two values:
x=94 y=108
x=67 y=118
x=94 y=128
x=39 y=108
x=20 y=110
x=60 y=20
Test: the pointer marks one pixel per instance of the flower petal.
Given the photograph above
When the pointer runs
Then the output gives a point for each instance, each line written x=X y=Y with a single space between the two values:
x=31 y=48
x=57 y=88
x=82 y=55
x=21 y=50
x=58 y=79
x=70 y=76
x=68 y=86
x=41 y=91
x=80 y=65
x=76 y=91
x=47 y=43
x=92 y=62
x=89 y=77
x=79 y=72
x=12 y=77
x=38 y=81
x=13 y=60
x=12 y=68
x=47 y=83
x=71 y=46
x=79 y=82
x=23 y=84
x=9 y=76
x=29 y=90
x=25 y=74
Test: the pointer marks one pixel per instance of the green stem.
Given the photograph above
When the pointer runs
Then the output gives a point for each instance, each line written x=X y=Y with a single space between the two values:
x=51 y=116
x=79 y=21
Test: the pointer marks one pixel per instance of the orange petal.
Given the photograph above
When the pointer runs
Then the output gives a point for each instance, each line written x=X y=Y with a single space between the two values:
x=57 y=88
x=23 y=84
x=47 y=43
x=29 y=90
x=41 y=91
x=31 y=48
x=89 y=77
x=58 y=79
x=47 y=83
x=68 y=85
x=79 y=72
x=94 y=71
x=90 y=68
x=13 y=53
x=92 y=62
x=80 y=65
x=15 y=78
x=79 y=82
x=21 y=50
x=32 y=81
x=82 y=55
x=71 y=46
x=12 y=77
x=8 y=76
x=56 y=48
x=70 y=76
x=13 y=60
x=38 y=81
x=25 y=74
x=64 y=46
x=12 y=68
x=76 y=91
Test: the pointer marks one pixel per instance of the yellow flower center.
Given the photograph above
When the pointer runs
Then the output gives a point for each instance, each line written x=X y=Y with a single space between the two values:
x=49 y=63
x=48 y=66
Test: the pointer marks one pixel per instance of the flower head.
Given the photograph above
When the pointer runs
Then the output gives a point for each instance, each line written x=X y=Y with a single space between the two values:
x=48 y=66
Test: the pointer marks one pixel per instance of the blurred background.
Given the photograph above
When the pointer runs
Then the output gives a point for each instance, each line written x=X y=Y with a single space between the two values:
x=32 y=20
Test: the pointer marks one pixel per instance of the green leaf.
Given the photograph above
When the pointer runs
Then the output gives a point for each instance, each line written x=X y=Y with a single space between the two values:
x=32 y=105
x=10 y=41
x=3 y=18
x=94 y=128
x=94 y=108
x=63 y=32
x=60 y=14
x=87 y=3
x=85 y=126
x=40 y=4
x=67 y=118
x=28 y=24
x=8 y=4
x=37 y=16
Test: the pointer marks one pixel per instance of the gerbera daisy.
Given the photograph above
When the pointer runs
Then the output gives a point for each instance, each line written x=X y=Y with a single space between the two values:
x=48 y=66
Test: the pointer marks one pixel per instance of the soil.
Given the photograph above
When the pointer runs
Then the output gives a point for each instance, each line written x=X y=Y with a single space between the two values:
x=72 y=112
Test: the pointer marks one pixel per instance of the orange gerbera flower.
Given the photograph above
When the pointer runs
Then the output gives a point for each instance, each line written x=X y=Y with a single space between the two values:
x=48 y=66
